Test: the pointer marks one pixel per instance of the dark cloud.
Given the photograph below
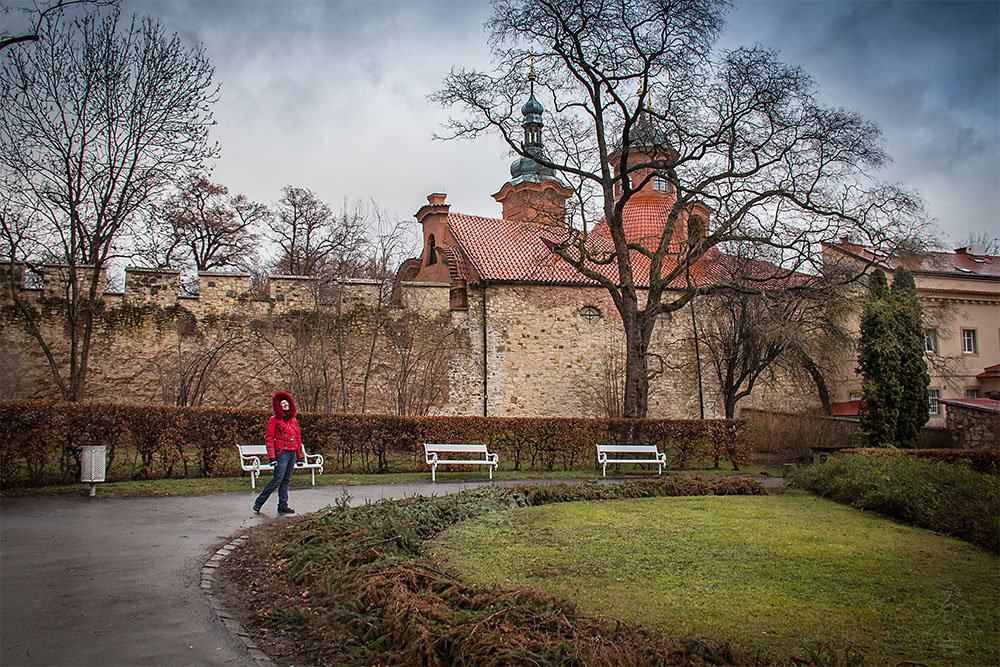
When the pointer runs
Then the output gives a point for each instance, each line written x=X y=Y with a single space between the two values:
x=927 y=72
x=333 y=94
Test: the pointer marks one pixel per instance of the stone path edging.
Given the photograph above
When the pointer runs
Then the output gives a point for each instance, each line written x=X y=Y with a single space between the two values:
x=208 y=580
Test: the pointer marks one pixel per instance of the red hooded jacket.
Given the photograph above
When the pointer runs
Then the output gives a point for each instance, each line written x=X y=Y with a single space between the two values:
x=283 y=433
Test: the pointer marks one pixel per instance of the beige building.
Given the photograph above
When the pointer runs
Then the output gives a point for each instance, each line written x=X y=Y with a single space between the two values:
x=960 y=295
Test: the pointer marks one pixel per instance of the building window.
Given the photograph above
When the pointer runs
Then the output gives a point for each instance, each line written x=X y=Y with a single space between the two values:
x=660 y=184
x=930 y=341
x=969 y=343
x=431 y=251
x=855 y=395
x=972 y=393
x=590 y=314
x=932 y=399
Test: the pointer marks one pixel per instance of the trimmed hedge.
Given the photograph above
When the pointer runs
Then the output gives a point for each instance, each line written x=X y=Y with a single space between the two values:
x=950 y=499
x=981 y=460
x=40 y=441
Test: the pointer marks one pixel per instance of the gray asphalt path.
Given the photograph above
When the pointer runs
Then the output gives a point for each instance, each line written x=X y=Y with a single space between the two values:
x=98 y=581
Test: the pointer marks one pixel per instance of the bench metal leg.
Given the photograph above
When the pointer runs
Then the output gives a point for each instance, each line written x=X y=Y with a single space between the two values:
x=313 y=471
x=253 y=479
x=433 y=470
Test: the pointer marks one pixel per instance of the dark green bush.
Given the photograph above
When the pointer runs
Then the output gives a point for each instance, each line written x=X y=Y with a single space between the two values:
x=947 y=498
x=40 y=441
x=981 y=460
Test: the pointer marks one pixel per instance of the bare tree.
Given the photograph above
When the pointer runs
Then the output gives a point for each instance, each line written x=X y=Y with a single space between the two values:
x=605 y=395
x=40 y=15
x=640 y=94
x=415 y=371
x=312 y=240
x=95 y=119
x=208 y=228
x=197 y=365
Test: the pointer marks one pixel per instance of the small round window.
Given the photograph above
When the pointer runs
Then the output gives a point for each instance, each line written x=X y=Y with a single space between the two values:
x=590 y=313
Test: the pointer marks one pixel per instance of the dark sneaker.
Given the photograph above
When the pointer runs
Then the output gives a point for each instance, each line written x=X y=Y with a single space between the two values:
x=256 y=509
x=286 y=510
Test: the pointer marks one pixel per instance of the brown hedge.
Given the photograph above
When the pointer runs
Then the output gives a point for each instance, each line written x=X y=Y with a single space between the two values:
x=40 y=441
x=984 y=461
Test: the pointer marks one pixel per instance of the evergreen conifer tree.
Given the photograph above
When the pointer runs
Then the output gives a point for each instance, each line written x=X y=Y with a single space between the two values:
x=879 y=364
x=913 y=377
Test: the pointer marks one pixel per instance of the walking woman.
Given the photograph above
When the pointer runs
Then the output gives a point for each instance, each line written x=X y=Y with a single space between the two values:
x=284 y=448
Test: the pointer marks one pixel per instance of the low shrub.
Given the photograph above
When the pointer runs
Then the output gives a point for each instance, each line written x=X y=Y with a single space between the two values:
x=950 y=499
x=981 y=460
x=40 y=441
x=354 y=588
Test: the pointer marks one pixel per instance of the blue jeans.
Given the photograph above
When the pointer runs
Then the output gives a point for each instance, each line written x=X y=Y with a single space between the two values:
x=282 y=476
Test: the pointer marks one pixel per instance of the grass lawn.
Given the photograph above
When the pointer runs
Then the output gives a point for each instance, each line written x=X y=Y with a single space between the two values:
x=198 y=486
x=778 y=575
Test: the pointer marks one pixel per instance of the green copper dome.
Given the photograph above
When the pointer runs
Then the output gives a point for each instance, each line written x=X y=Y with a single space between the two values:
x=532 y=110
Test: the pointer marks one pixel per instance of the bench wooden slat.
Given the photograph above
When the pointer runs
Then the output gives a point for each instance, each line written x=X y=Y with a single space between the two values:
x=432 y=447
x=650 y=449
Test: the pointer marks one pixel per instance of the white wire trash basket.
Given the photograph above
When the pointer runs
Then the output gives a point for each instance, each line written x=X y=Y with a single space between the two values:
x=92 y=465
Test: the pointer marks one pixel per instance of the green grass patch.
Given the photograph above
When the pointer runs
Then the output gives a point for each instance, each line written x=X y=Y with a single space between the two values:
x=945 y=497
x=778 y=575
x=199 y=486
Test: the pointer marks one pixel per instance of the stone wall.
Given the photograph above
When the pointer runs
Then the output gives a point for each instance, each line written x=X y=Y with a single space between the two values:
x=549 y=350
x=972 y=428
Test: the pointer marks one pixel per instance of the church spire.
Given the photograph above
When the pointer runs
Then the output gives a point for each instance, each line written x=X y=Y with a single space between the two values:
x=527 y=168
x=534 y=193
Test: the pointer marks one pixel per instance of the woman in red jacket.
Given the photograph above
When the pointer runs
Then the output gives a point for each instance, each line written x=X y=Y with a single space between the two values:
x=284 y=448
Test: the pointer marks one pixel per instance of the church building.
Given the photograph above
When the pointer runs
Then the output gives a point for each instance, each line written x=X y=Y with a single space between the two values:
x=544 y=339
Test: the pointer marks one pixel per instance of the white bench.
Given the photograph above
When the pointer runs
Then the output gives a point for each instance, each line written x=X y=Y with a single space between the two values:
x=253 y=459
x=433 y=450
x=617 y=454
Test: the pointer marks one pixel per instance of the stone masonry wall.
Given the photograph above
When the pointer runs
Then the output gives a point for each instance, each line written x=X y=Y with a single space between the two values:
x=974 y=429
x=549 y=351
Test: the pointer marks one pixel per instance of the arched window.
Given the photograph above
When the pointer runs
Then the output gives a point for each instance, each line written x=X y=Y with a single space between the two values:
x=660 y=184
x=431 y=251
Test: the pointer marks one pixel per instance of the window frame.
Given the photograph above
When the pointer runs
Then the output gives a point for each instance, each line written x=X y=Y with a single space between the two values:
x=974 y=338
x=590 y=314
x=933 y=407
x=930 y=336
x=974 y=391
x=658 y=181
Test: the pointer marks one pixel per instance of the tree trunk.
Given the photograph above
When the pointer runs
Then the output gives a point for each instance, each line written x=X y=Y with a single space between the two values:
x=636 y=376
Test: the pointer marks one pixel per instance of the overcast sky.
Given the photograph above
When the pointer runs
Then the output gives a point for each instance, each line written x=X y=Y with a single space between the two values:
x=332 y=94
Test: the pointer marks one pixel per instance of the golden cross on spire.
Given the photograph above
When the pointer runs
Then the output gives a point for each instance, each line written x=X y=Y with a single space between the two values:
x=531 y=71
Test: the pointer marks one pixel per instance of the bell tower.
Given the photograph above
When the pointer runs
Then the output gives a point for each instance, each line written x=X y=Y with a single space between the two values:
x=534 y=193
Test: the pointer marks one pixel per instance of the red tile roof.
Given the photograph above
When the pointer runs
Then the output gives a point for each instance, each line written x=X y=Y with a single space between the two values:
x=508 y=251
x=955 y=264
x=643 y=219
x=981 y=404
x=989 y=372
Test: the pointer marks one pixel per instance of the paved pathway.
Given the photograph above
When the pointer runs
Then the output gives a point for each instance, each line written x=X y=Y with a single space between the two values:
x=98 y=581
